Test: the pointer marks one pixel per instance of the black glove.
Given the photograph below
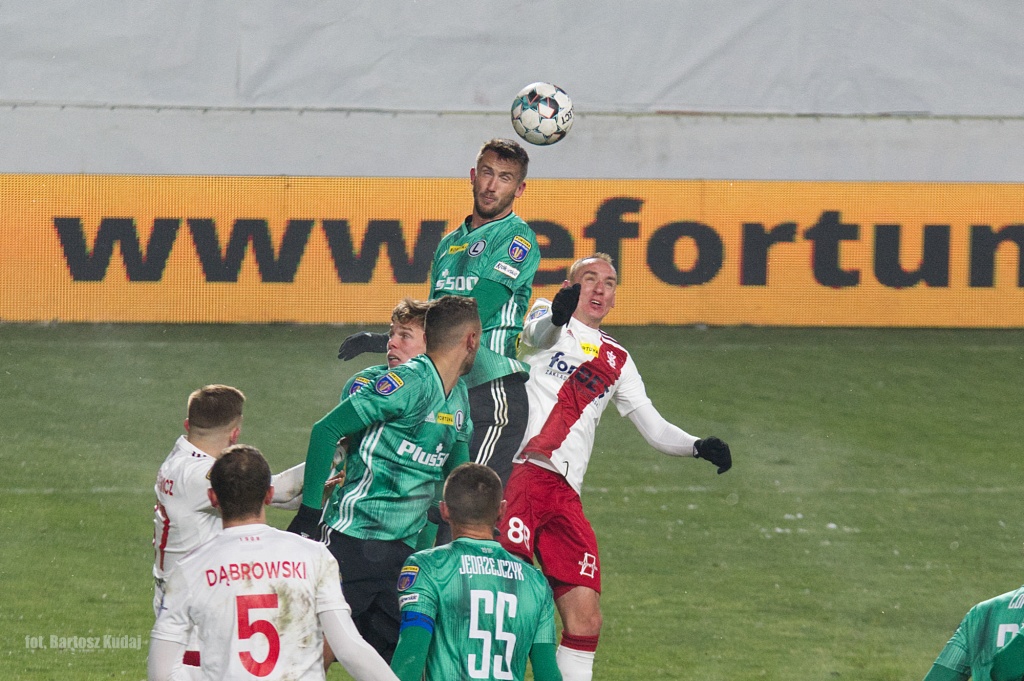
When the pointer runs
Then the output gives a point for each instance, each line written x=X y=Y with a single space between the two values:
x=361 y=342
x=715 y=451
x=564 y=305
x=306 y=522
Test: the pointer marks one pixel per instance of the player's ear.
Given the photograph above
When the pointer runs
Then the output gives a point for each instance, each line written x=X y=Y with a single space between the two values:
x=269 y=496
x=472 y=174
x=501 y=511
x=212 y=496
x=520 y=189
x=186 y=426
x=444 y=512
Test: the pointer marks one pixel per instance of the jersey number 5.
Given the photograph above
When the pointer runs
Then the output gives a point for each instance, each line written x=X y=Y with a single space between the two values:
x=483 y=602
x=247 y=627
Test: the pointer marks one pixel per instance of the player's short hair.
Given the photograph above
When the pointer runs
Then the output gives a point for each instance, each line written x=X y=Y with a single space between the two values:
x=411 y=312
x=473 y=495
x=214 y=406
x=575 y=267
x=507 y=150
x=447 y=319
x=240 y=478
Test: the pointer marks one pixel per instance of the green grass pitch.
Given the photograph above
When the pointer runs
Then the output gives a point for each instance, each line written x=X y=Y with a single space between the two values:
x=875 y=496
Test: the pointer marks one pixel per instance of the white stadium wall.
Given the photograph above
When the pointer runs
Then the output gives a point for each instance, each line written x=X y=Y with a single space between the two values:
x=921 y=90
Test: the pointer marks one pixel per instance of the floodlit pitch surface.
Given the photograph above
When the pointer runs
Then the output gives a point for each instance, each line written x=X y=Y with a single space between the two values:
x=876 y=493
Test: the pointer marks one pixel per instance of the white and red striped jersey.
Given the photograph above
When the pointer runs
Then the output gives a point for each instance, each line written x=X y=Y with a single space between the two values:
x=183 y=515
x=571 y=383
x=254 y=595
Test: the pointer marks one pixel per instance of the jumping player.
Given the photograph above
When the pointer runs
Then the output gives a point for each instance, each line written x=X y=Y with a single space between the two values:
x=469 y=608
x=492 y=257
x=575 y=371
x=261 y=600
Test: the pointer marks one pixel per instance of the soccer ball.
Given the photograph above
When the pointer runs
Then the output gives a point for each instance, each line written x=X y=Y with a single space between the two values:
x=542 y=113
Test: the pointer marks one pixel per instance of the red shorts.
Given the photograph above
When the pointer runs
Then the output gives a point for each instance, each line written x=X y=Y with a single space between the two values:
x=544 y=517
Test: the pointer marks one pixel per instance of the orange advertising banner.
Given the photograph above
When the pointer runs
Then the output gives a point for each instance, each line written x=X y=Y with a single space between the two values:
x=115 y=248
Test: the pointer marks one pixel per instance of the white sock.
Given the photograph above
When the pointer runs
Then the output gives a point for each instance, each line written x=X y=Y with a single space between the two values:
x=575 y=665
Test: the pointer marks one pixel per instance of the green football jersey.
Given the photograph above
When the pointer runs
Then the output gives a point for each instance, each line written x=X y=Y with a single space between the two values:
x=504 y=251
x=489 y=608
x=986 y=628
x=394 y=466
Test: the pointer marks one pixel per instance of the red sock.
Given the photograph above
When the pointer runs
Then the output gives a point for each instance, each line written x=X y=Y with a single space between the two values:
x=587 y=644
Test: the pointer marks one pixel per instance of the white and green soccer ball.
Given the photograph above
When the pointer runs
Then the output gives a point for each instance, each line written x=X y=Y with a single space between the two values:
x=542 y=113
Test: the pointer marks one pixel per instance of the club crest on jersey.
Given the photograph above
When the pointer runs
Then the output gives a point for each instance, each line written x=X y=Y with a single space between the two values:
x=477 y=248
x=407 y=577
x=460 y=419
x=358 y=384
x=388 y=383
x=519 y=249
x=612 y=359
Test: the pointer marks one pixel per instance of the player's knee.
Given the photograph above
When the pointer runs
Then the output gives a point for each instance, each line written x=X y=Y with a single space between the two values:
x=585 y=620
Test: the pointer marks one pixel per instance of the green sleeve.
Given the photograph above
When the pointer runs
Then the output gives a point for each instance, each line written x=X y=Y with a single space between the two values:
x=410 y=658
x=545 y=666
x=940 y=673
x=460 y=455
x=1008 y=664
x=427 y=536
x=490 y=296
x=341 y=421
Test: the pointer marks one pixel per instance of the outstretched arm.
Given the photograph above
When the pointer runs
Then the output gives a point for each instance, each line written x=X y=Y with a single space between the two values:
x=675 y=441
x=544 y=331
x=361 y=342
x=660 y=434
x=288 y=488
x=341 y=421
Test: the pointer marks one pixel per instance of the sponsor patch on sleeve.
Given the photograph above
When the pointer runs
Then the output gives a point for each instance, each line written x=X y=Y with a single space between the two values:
x=358 y=384
x=506 y=269
x=407 y=577
x=538 y=313
x=408 y=598
x=388 y=383
x=519 y=249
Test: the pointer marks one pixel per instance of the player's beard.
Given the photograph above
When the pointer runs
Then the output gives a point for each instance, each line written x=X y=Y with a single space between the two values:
x=498 y=209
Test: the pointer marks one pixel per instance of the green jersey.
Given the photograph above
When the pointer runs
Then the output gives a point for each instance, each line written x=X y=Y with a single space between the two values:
x=488 y=609
x=504 y=251
x=394 y=466
x=985 y=629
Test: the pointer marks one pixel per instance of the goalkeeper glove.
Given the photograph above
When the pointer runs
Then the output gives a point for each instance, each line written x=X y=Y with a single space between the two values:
x=715 y=451
x=564 y=305
x=306 y=522
x=361 y=342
